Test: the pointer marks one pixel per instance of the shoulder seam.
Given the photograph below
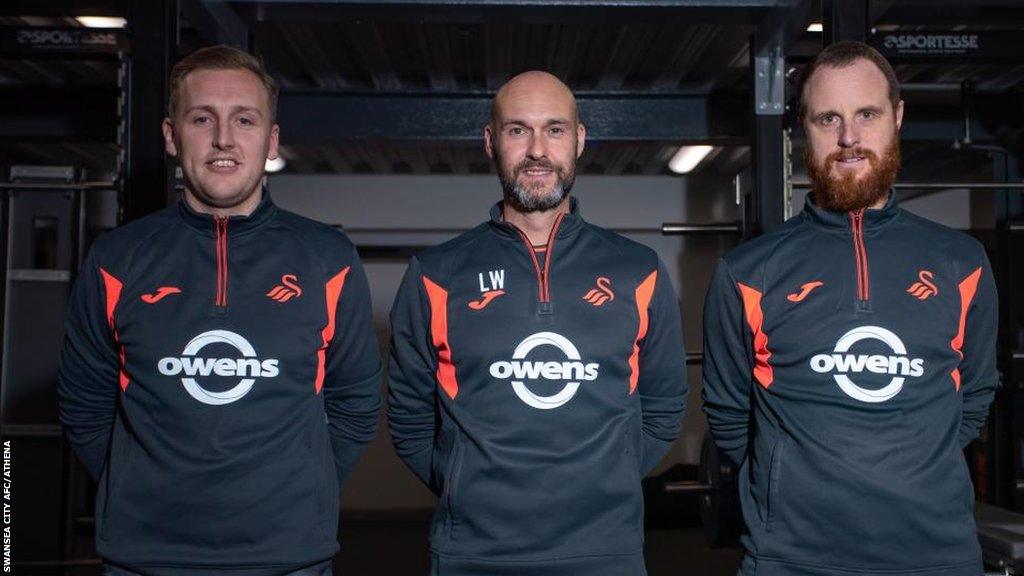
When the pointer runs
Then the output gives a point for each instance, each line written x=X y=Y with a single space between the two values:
x=305 y=242
x=130 y=257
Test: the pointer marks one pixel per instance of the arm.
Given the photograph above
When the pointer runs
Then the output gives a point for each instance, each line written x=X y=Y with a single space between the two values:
x=662 y=378
x=352 y=383
x=728 y=365
x=411 y=376
x=977 y=370
x=88 y=375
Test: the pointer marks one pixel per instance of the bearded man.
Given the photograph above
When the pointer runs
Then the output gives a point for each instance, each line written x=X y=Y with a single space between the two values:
x=537 y=366
x=850 y=355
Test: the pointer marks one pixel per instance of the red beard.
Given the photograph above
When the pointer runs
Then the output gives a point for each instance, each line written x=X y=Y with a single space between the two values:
x=847 y=193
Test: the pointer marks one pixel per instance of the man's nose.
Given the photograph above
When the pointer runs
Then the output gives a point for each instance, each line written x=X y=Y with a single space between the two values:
x=538 y=147
x=223 y=136
x=849 y=135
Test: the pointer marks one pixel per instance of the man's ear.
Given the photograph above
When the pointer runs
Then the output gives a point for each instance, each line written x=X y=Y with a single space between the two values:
x=168 y=129
x=488 y=140
x=581 y=138
x=275 y=139
x=899 y=115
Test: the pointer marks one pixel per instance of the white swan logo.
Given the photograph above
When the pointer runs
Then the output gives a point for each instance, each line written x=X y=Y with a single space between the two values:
x=899 y=365
x=248 y=367
x=573 y=370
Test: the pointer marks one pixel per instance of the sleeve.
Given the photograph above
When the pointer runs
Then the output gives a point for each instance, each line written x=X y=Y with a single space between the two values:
x=977 y=373
x=87 y=379
x=352 y=382
x=662 y=378
x=411 y=376
x=728 y=365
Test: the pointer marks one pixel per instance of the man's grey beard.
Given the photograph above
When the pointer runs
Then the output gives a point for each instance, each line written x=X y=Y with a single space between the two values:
x=520 y=198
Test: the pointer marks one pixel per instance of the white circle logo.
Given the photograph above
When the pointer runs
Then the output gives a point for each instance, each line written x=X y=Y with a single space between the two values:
x=899 y=365
x=248 y=367
x=519 y=369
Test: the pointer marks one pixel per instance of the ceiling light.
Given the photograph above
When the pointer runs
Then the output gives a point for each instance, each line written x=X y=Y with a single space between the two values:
x=275 y=165
x=101 y=21
x=816 y=27
x=688 y=157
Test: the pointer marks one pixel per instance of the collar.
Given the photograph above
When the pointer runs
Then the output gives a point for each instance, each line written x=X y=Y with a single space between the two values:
x=841 y=220
x=205 y=224
x=571 y=222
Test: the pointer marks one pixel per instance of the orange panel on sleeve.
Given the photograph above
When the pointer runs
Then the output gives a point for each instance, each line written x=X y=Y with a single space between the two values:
x=968 y=287
x=763 y=372
x=439 y=334
x=112 y=288
x=333 y=290
x=644 y=293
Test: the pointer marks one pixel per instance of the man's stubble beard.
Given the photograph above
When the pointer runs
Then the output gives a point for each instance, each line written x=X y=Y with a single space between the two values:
x=525 y=199
x=846 y=193
x=240 y=196
x=237 y=197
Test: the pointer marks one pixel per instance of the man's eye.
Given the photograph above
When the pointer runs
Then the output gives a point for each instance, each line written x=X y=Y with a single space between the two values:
x=828 y=119
x=868 y=114
x=557 y=130
x=516 y=131
x=201 y=120
x=244 y=121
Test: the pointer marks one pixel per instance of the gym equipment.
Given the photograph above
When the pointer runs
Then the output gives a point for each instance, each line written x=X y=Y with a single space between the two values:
x=1001 y=534
x=716 y=487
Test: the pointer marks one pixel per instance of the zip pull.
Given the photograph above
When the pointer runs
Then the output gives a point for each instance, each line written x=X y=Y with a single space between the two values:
x=221 y=227
x=543 y=273
x=861 y=256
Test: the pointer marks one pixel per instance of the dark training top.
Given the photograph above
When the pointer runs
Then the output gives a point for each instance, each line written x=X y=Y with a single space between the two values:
x=849 y=357
x=531 y=391
x=220 y=376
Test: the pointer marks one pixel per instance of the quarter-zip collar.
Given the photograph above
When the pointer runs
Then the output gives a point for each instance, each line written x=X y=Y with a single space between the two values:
x=205 y=224
x=871 y=218
x=570 y=224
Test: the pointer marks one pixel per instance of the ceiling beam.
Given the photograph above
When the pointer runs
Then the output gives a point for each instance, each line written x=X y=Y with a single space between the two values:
x=718 y=119
x=952 y=13
x=216 y=21
x=89 y=113
x=63 y=9
x=513 y=11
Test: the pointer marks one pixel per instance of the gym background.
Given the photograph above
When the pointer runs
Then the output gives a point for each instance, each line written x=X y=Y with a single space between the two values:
x=692 y=147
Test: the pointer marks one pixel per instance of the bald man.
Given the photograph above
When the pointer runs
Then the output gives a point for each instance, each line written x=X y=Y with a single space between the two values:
x=537 y=366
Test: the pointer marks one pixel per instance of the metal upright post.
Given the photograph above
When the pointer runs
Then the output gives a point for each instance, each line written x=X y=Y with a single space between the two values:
x=148 y=177
x=765 y=209
x=1005 y=424
x=844 y=20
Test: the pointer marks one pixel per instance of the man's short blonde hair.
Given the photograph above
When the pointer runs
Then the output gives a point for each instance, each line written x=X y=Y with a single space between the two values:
x=220 y=58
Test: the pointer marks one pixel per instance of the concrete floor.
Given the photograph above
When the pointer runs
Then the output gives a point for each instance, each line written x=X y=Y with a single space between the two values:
x=400 y=549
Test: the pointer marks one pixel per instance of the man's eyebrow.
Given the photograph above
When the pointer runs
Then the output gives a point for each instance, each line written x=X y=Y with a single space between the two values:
x=253 y=109
x=519 y=122
x=823 y=113
x=234 y=109
x=202 y=107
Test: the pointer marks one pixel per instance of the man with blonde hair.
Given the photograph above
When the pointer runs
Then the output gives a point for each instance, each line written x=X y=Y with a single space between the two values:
x=220 y=373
